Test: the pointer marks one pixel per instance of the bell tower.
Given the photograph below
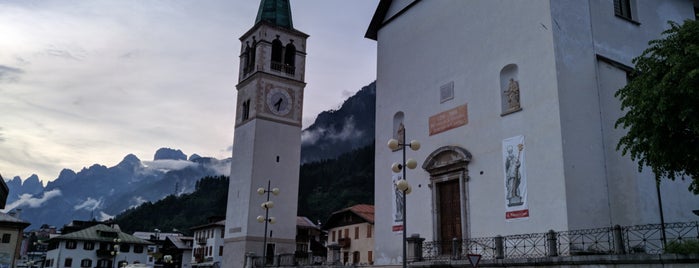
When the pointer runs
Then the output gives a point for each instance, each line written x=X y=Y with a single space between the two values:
x=267 y=141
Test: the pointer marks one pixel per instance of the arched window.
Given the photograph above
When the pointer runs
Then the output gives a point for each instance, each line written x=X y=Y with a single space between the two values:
x=277 y=52
x=290 y=59
x=246 y=59
x=509 y=90
x=251 y=55
x=290 y=55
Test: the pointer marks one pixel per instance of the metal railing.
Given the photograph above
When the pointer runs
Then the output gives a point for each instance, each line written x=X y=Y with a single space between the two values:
x=637 y=239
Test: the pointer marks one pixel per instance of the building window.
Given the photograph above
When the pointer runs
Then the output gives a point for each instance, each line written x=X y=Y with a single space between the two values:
x=624 y=9
x=68 y=262
x=88 y=245
x=6 y=238
x=333 y=236
x=356 y=232
x=220 y=250
x=370 y=257
x=104 y=264
x=124 y=248
x=48 y=263
x=346 y=233
x=138 y=249
x=71 y=244
x=368 y=231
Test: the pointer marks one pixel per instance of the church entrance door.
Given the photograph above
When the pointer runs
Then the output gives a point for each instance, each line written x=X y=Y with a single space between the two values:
x=448 y=179
x=449 y=199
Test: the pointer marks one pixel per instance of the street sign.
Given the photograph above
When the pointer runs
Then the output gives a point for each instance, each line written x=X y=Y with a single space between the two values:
x=474 y=259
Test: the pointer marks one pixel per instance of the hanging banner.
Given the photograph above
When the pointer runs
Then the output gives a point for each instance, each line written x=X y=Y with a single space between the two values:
x=397 y=226
x=513 y=150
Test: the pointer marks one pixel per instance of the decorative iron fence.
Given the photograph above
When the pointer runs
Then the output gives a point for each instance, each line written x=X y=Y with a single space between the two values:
x=638 y=239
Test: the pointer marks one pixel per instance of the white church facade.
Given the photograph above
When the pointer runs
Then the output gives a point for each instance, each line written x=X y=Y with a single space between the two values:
x=513 y=103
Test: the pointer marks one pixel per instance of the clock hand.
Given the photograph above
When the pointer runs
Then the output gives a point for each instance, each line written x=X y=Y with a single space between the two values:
x=278 y=104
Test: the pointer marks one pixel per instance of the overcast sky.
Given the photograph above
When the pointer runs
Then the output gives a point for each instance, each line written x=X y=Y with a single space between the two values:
x=85 y=82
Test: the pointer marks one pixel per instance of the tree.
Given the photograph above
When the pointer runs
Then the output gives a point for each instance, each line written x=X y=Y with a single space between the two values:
x=662 y=106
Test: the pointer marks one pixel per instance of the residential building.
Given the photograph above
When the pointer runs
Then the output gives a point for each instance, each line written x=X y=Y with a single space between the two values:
x=4 y=192
x=96 y=246
x=207 y=248
x=156 y=257
x=179 y=248
x=513 y=103
x=11 y=233
x=351 y=235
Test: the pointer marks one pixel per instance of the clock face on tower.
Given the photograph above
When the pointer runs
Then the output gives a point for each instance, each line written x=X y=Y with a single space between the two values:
x=279 y=101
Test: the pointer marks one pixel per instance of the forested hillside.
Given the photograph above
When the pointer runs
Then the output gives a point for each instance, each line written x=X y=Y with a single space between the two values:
x=331 y=185
x=179 y=212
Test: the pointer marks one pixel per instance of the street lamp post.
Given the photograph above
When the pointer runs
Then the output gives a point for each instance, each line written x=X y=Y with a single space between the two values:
x=115 y=250
x=266 y=219
x=402 y=184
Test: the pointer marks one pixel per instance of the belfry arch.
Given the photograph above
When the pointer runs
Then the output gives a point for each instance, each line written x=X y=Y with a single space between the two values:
x=448 y=169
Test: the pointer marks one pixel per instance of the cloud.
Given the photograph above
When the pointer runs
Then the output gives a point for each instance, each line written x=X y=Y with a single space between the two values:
x=348 y=131
x=104 y=216
x=9 y=74
x=137 y=201
x=27 y=200
x=89 y=204
x=168 y=164
x=1 y=135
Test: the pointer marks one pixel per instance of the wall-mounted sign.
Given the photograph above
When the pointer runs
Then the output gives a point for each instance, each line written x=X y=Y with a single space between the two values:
x=448 y=120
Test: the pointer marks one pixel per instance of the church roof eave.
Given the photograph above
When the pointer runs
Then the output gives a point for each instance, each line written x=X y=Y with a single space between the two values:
x=379 y=19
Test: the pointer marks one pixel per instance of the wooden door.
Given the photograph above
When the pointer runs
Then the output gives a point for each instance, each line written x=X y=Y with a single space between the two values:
x=449 y=198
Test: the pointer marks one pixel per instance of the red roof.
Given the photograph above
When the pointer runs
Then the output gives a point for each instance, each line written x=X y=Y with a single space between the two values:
x=365 y=212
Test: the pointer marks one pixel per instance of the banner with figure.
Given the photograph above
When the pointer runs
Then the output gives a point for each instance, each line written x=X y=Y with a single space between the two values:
x=397 y=213
x=515 y=178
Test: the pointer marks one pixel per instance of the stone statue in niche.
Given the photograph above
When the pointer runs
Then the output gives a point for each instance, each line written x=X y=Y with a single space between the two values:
x=400 y=133
x=512 y=94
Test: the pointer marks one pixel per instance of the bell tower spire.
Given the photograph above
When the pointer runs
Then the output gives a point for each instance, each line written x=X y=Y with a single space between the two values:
x=276 y=12
x=267 y=139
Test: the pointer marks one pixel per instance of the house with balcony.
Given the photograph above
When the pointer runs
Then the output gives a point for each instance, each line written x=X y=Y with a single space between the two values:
x=351 y=235
x=207 y=249
x=96 y=246
x=310 y=242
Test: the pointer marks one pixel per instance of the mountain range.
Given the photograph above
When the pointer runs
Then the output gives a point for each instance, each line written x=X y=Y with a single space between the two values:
x=101 y=192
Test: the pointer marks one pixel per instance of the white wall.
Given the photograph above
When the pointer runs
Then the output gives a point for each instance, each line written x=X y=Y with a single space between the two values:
x=469 y=42
x=576 y=178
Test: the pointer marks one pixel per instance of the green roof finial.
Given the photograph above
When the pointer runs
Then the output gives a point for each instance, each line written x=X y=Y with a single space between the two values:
x=277 y=12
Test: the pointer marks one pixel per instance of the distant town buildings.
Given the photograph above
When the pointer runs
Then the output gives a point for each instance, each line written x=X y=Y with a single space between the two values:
x=513 y=103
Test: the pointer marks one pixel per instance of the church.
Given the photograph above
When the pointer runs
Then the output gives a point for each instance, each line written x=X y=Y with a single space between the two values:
x=266 y=147
x=513 y=105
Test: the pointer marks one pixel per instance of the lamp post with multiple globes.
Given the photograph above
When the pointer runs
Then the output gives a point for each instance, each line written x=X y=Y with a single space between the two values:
x=402 y=185
x=266 y=219
x=115 y=249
